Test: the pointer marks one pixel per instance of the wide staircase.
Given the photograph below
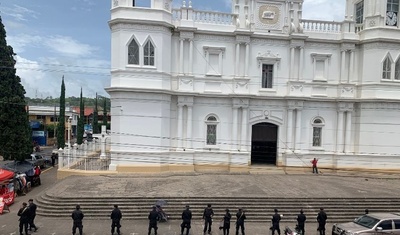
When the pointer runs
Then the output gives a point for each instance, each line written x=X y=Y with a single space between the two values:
x=257 y=209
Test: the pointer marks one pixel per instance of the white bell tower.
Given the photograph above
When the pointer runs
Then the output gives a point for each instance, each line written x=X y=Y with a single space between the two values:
x=373 y=13
x=162 y=4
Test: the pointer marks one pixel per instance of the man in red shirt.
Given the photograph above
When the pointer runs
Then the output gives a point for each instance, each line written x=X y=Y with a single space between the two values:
x=314 y=166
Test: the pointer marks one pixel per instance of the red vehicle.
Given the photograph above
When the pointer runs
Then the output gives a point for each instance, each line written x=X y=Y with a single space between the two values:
x=7 y=186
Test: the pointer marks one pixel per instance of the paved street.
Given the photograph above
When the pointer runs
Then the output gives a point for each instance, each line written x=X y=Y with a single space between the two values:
x=293 y=184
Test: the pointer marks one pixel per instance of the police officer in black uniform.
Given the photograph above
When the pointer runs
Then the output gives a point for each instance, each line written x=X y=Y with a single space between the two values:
x=227 y=222
x=23 y=213
x=32 y=214
x=153 y=218
x=321 y=218
x=207 y=216
x=116 y=216
x=276 y=218
x=301 y=219
x=186 y=220
x=77 y=217
x=240 y=217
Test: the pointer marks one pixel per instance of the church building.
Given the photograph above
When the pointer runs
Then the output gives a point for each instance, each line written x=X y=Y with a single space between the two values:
x=194 y=90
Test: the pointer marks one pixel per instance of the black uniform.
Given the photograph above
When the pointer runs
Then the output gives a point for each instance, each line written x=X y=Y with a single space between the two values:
x=32 y=214
x=276 y=218
x=207 y=216
x=23 y=213
x=116 y=216
x=227 y=222
x=53 y=159
x=77 y=217
x=240 y=217
x=321 y=218
x=153 y=218
x=301 y=219
x=186 y=220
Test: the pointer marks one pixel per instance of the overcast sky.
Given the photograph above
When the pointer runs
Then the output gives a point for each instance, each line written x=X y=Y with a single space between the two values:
x=71 y=38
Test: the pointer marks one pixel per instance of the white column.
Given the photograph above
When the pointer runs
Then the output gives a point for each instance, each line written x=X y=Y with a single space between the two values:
x=190 y=56
x=347 y=137
x=343 y=67
x=289 y=131
x=103 y=142
x=350 y=77
x=246 y=63
x=339 y=140
x=234 y=128
x=244 y=130
x=298 y=131
x=291 y=73
x=181 y=55
x=220 y=63
x=180 y=125
x=300 y=76
x=237 y=70
x=189 y=127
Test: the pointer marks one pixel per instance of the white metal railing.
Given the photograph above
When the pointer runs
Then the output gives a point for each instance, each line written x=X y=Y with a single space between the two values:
x=321 y=26
x=85 y=157
x=209 y=17
x=176 y=14
x=359 y=27
x=214 y=17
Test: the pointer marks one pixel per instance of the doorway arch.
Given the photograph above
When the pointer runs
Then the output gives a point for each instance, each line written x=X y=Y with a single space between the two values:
x=264 y=143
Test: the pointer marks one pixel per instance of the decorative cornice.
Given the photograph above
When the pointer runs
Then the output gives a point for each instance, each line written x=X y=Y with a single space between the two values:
x=269 y=42
x=295 y=104
x=320 y=45
x=214 y=38
x=186 y=35
x=135 y=26
x=381 y=45
x=243 y=39
x=344 y=106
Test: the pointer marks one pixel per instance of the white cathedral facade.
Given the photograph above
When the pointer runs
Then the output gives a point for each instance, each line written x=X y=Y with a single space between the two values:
x=195 y=90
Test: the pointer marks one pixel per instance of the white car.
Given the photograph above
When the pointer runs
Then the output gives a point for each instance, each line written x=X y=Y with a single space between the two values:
x=371 y=224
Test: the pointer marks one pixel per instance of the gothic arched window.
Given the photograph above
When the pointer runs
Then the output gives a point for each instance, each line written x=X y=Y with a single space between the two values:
x=133 y=52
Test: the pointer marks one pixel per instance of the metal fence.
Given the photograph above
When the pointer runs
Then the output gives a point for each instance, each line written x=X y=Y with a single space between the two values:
x=85 y=157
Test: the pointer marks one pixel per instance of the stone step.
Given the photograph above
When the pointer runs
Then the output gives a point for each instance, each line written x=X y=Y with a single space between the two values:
x=257 y=209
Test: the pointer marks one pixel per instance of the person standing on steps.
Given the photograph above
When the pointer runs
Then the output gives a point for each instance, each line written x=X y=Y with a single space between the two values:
x=32 y=214
x=227 y=222
x=240 y=217
x=23 y=214
x=321 y=218
x=276 y=218
x=314 y=165
x=301 y=220
x=186 y=220
x=116 y=217
x=77 y=217
x=153 y=218
x=207 y=217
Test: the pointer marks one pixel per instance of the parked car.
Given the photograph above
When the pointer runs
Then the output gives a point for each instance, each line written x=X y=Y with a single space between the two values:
x=38 y=160
x=371 y=224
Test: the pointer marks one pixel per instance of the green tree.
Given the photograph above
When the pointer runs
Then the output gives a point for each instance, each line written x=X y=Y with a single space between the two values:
x=15 y=132
x=61 y=123
x=105 y=112
x=81 y=128
x=95 y=124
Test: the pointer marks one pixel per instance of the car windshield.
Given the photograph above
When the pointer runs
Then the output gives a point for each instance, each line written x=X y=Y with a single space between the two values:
x=366 y=221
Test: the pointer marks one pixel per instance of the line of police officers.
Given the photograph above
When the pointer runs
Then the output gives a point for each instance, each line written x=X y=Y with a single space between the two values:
x=27 y=216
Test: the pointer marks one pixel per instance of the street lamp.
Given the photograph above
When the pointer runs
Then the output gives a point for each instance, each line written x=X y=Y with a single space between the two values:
x=69 y=132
